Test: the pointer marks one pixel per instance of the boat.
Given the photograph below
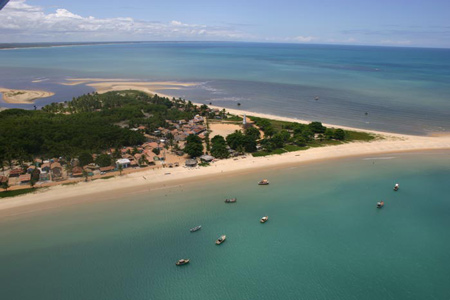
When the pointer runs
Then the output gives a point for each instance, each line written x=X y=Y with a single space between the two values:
x=264 y=219
x=316 y=98
x=380 y=204
x=264 y=182
x=182 y=262
x=221 y=240
x=396 y=187
x=232 y=200
x=196 y=228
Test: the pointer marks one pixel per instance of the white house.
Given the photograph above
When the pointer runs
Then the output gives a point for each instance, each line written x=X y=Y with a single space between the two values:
x=124 y=162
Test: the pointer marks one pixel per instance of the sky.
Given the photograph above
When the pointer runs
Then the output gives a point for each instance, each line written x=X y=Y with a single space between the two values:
x=414 y=23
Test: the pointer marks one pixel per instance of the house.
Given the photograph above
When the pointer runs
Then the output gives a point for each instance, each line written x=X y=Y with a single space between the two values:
x=77 y=171
x=45 y=167
x=57 y=171
x=124 y=162
x=15 y=172
x=30 y=169
x=190 y=163
x=26 y=178
x=3 y=179
x=44 y=177
x=207 y=158
x=107 y=169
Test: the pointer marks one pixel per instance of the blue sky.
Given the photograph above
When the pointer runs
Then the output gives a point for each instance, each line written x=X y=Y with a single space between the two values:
x=361 y=22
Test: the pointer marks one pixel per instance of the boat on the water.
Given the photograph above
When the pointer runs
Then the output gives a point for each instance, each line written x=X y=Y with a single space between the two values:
x=221 y=240
x=264 y=182
x=231 y=200
x=196 y=228
x=380 y=204
x=264 y=219
x=182 y=262
x=396 y=187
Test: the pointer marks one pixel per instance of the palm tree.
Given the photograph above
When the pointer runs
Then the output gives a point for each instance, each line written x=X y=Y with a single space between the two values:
x=85 y=175
x=120 y=169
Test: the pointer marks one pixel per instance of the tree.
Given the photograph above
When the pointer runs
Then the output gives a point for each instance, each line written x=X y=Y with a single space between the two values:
x=32 y=182
x=156 y=151
x=300 y=141
x=85 y=175
x=5 y=185
x=249 y=143
x=103 y=160
x=219 y=150
x=120 y=169
x=235 y=139
x=339 y=134
x=317 y=127
x=253 y=132
x=194 y=146
x=85 y=158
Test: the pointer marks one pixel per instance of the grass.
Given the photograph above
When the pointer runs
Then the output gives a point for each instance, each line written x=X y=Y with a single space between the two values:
x=204 y=164
x=291 y=148
x=358 y=136
x=107 y=177
x=16 y=192
x=233 y=118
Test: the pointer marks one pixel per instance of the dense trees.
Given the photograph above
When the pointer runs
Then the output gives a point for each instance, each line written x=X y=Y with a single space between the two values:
x=194 y=146
x=87 y=123
x=219 y=147
x=103 y=160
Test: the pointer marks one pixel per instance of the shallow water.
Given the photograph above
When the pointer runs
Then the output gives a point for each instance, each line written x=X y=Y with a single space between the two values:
x=324 y=239
x=403 y=90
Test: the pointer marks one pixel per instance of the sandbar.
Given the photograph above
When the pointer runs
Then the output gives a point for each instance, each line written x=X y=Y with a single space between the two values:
x=23 y=96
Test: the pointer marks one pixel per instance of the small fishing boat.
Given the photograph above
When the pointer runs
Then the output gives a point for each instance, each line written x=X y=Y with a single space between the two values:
x=264 y=219
x=221 y=240
x=380 y=204
x=264 y=182
x=182 y=262
x=232 y=200
x=396 y=187
x=196 y=228
x=316 y=98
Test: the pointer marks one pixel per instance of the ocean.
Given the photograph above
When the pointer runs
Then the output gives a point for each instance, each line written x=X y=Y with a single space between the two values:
x=403 y=90
x=325 y=239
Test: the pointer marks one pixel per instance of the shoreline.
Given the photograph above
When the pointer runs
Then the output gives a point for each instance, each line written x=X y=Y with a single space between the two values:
x=55 y=196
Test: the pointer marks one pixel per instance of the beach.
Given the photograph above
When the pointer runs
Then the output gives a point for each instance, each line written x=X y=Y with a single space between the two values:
x=146 y=180
x=23 y=96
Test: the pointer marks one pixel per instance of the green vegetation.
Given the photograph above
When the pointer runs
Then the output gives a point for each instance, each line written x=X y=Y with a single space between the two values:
x=16 y=192
x=219 y=147
x=107 y=177
x=87 y=124
x=194 y=146
x=282 y=136
x=70 y=183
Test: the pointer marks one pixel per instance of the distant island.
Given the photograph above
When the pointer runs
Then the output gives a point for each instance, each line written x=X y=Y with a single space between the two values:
x=100 y=135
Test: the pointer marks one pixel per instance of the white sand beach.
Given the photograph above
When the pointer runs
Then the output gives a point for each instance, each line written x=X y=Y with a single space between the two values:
x=153 y=178
x=23 y=96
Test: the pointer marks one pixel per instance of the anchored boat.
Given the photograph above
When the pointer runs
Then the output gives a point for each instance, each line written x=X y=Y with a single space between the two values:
x=196 y=228
x=221 y=240
x=232 y=200
x=264 y=182
x=264 y=219
x=396 y=187
x=380 y=204
x=182 y=262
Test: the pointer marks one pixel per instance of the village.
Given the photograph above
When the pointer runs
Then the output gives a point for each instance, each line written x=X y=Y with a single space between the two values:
x=163 y=149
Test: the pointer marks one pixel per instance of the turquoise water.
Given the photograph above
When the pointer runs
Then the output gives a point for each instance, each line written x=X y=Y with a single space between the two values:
x=403 y=89
x=324 y=239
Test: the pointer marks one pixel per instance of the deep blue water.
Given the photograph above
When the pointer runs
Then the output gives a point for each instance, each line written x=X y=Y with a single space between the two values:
x=325 y=239
x=402 y=89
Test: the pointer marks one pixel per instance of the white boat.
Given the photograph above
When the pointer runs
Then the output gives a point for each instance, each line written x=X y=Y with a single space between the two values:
x=264 y=182
x=380 y=204
x=182 y=262
x=396 y=187
x=264 y=219
x=221 y=239
x=196 y=228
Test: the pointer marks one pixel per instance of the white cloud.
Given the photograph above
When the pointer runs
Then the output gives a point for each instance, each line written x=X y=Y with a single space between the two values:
x=304 y=39
x=21 y=22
